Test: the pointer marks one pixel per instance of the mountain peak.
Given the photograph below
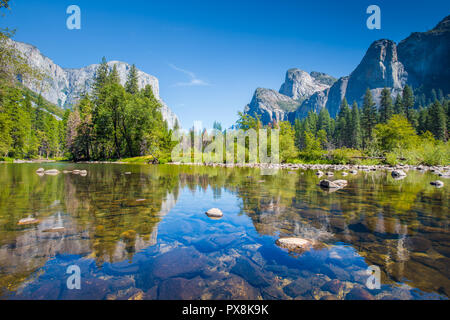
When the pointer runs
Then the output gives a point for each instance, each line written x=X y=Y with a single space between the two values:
x=444 y=25
x=300 y=85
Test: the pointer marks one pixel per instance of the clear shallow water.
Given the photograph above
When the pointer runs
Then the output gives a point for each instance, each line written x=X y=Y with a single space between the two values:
x=145 y=235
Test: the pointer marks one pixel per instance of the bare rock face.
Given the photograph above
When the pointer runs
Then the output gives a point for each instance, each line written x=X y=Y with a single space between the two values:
x=64 y=87
x=421 y=61
x=283 y=105
x=379 y=68
x=270 y=105
x=300 y=84
x=426 y=57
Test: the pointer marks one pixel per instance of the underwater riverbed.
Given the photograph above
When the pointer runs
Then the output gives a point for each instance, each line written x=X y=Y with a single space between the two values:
x=140 y=232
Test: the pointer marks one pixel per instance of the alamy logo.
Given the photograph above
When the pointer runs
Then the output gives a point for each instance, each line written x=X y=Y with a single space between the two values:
x=374 y=20
x=74 y=280
x=374 y=280
x=74 y=20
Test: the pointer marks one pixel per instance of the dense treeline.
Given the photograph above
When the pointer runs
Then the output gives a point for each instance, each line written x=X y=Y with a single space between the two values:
x=354 y=127
x=27 y=129
x=400 y=130
x=117 y=121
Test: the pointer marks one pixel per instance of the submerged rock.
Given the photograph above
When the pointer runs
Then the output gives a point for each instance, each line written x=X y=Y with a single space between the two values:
x=250 y=273
x=181 y=289
x=437 y=183
x=344 y=173
x=179 y=262
x=359 y=294
x=214 y=213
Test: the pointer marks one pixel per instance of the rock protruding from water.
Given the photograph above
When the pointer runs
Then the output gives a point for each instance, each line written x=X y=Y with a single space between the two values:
x=336 y=184
x=398 y=174
x=28 y=220
x=214 y=213
x=52 y=172
x=294 y=244
x=40 y=170
x=437 y=183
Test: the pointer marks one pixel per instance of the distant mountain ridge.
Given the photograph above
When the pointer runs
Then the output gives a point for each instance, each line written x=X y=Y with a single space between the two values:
x=422 y=61
x=64 y=86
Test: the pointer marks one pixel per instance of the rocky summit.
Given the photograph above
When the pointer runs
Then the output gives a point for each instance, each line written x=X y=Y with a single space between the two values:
x=64 y=86
x=299 y=85
x=422 y=61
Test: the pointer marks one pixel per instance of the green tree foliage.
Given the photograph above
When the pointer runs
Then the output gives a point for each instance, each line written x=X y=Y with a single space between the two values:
x=386 y=106
x=369 y=118
x=132 y=85
x=288 y=150
x=396 y=133
x=117 y=121
x=408 y=105
x=356 y=127
x=437 y=122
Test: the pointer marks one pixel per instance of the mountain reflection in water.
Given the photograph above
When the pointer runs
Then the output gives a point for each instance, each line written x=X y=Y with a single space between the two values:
x=144 y=235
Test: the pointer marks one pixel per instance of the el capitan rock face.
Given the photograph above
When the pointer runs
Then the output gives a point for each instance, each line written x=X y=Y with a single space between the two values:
x=63 y=87
x=421 y=60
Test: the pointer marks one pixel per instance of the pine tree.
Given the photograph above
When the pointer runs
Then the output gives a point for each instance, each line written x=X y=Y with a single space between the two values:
x=422 y=120
x=398 y=106
x=368 y=118
x=408 y=104
x=437 y=120
x=101 y=77
x=113 y=76
x=386 y=107
x=131 y=86
x=356 y=127
x=325 y=123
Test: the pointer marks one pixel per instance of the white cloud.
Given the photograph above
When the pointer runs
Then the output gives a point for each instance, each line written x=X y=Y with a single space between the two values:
x=194 y=81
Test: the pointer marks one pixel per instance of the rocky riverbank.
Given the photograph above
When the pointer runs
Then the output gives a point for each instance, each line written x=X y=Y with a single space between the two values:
x=442 y=171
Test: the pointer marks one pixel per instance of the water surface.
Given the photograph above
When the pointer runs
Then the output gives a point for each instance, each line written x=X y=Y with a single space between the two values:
x=144 y=235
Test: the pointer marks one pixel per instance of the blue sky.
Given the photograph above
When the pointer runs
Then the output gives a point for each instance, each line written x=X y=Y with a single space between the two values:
x=210 y=56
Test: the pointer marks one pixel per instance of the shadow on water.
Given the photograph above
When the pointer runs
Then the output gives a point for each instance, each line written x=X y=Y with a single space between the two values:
x=140 y=232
